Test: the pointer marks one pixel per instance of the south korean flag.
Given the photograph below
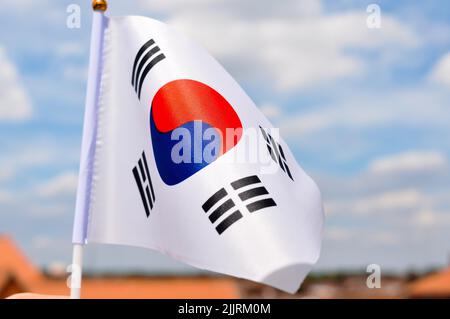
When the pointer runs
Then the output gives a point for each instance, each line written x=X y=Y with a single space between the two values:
x=184 y=163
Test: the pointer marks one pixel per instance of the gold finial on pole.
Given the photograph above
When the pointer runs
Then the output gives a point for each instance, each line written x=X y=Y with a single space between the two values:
x=99 y=5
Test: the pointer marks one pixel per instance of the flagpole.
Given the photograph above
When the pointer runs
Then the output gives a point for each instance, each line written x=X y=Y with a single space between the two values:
x=88 y=146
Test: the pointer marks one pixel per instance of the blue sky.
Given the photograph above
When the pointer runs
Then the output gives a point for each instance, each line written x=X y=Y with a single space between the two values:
x=366 y=112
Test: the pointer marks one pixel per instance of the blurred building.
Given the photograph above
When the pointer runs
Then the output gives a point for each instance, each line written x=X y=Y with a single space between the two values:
x=18 y=274
x=349 y=286
x=436 y=285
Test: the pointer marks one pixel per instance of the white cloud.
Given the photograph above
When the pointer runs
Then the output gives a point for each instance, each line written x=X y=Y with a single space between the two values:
x=399 y=183
x=362 y=236
x=413 y=161
x=61 y=185
x=389 y=211
x=14 y=101
x=20 y=6
x=417 y=107
x=5 y=196
x=271 y=111
x=42 y=242
x=251 y=9
x=395 y=200
x=18 y=157
x=392 y=201
x=5 y=174
x=349 y=116
x=26 y=158
x=338 y=233
x=54 y=207
x=441 y=71
x=431 y=219
x=384 y=238
x=70 y=49
x=76 y=73
x=291 y=46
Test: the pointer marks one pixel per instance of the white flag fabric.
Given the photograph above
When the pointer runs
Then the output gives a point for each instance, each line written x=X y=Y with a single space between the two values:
x=161 y=177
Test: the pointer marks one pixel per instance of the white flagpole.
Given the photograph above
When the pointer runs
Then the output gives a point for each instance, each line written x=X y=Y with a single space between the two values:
x=88 y=146
x=77 y=273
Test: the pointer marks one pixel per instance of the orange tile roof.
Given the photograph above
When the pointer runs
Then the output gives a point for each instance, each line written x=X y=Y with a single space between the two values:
x=433 y=286
x=12 y=260
x=146 y=288
x=13 y=263
x=4 y=276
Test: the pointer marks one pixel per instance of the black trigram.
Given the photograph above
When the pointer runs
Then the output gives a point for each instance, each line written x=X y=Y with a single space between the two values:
x=150 y=53
x=256 y=190
x=220 y=204
x=276 y=152
x=144 y=183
